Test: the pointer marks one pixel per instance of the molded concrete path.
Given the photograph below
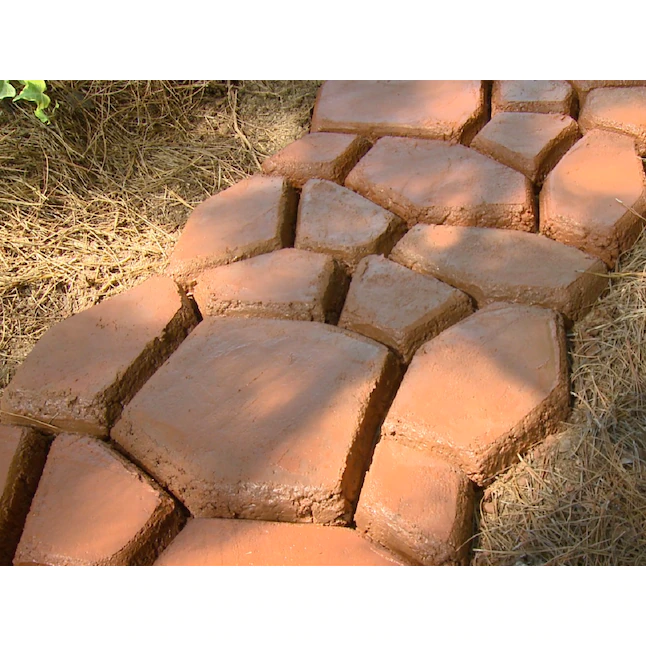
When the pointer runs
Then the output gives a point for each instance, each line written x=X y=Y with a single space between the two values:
x=343 y=349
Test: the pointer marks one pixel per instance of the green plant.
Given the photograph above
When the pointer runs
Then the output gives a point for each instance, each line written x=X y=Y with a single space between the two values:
x=32 y=91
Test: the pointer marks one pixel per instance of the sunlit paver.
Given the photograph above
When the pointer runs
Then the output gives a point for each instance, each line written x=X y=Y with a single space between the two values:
x=596 y=195
x=92 y=507
x=434 y=182
x=484 y=390
x=84 y=369
x=262 y=419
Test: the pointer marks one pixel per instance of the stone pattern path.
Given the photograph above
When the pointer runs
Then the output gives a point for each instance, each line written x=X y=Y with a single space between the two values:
x=344 y=348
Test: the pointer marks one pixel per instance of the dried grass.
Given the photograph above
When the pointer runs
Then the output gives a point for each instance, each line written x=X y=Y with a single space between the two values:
x=93 y=204
x=580 y=498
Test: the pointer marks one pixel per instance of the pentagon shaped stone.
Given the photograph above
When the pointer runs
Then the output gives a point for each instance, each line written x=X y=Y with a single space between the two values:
x=501 y=265
x=288 y=283
x=485 y=390
x=92 y=507
x=579 y=202
x=434 y=182
x=23 y=452
x=449 y=110
x=398 y=307
x=84 y=369
x=252 y=217
x=529 y=143
x=337 y=221
x=621 y=110
x=321 y=155
x=417 y=506
x=218 y=541
x=546 y=97
x=262 y=419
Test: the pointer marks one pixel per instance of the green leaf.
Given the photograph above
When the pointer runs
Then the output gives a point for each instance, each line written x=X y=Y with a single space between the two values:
x=7 y=90
x=35 y=91
x=41 y=115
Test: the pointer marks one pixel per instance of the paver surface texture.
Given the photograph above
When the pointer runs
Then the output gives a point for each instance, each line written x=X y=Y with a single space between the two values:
x=398 y=307
x=303 y=401
x=485 y=389
x=450 y=110
x=435 y=182
x=595 y=198
x=551 y=97
x=249 y=542
x=416 y=505
x=255 y=216
x=288 y=283
x=621 y=110
x=322 y=155
x=87 y=367
x=94 y=508
x=500 y=265
x=344 y=348
x=529 y=143
x=341 y=223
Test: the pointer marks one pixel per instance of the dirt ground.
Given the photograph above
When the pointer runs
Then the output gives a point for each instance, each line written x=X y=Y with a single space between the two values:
x=93 y=203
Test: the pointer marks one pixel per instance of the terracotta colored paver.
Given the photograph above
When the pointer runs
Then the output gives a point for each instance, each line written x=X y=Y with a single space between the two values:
x=399 y=307
x=83 y=370
x=620 y=110
x=484 y=390
x=336 y=221
x=498 y=265
x=262 y=419
x=23 y=453
x=289 y=283
x=217 y=541
x=583 y=87
x=92 y=507
x=434 y=182
x=449 y=110
x=322 y=155
x=416 y=505
x=547 y=97
x=578 y=202
x=253 y=217
x=529 y=143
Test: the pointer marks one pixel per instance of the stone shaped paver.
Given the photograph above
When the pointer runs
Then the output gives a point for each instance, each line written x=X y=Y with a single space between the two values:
x=334 y=220
x=578 y=202
x=485 y=390
x=529 y=143
x=398 y=307
x=584 y=87
x=434 y=182
x=84 y=369
x=500 y=265
x=218 y=541
x=23 y=452
x=620 y=110
x=320 y=155
x=262 y=419
x=92 y=507
x=449 y=110
x=547 y=97
x=288 y=283
x=253 y=217
x=416 y=505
